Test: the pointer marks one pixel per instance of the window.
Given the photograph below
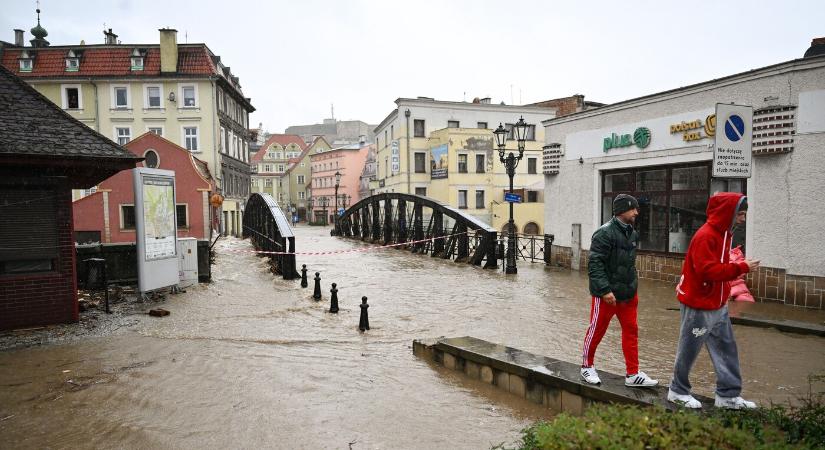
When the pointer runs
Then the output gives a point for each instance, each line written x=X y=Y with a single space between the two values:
x=462 y=199
x=120 y=97
x=127 y=217
x=190 y=138
x=531 y=228
x=280 y=167
x=422 y=191
x=531 y=133
x=137 y=60
x=153 y=96
x=182 y=213
x=123 y=135
x=189 y=94
x=25 y=65
x=532 y=196
x=420 y=162
x=300 y=179
x=152 y=159
x=462 y=163
x=267 y=168
x=672 y=202
x=156 y=130
x=418 y=128
x=29 y=228
x=531 y=165
x=72 y=62
x=385 y=138
x=302 y=195
x=72 y=96
x=392 y=131
x=268 y=182
x=452 y=124
x=482 y=125
x=480 y=199
x=479 y=163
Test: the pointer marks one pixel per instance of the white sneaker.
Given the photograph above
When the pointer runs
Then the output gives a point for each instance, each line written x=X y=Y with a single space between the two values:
x=683 y=400
x=640 y=380
x=589 y=375
x=733 y=403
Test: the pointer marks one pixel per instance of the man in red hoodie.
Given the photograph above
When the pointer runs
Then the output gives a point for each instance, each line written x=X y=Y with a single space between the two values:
x=703 y=291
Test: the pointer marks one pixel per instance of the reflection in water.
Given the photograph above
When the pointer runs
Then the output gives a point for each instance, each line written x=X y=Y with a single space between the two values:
x=252 y=361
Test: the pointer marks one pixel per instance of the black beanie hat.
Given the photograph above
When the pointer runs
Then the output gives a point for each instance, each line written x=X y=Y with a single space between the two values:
x=624 y=202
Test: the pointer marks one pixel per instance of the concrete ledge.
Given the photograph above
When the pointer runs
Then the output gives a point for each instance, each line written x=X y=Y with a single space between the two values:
x=553 y=383
x=790 y=326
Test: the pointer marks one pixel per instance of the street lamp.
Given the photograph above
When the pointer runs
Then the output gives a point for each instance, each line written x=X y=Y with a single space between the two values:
x=510 y=163
x=337 y=183
x=310 y=219
x=324 y=203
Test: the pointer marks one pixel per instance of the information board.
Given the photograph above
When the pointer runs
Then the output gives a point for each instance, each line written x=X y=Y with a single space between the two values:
x=156 y=228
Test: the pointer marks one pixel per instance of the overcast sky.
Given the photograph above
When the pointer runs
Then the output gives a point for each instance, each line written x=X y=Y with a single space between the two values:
x=295 y=58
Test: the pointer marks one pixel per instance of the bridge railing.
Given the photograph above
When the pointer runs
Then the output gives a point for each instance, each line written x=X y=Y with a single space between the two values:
x=529 y=247
x=424 y=225
x=265 y=224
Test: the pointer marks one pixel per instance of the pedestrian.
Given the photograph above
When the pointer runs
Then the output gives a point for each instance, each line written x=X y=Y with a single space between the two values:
x=703 y=292
x=613 y=283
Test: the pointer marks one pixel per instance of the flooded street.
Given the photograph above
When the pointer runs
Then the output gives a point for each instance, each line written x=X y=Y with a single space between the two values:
x=251 y=361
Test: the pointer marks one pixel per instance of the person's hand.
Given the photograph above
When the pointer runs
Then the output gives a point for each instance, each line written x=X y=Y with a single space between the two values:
x=609 y=298
x=753 y=264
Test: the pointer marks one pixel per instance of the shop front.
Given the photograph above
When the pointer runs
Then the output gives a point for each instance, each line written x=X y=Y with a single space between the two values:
x=659 y=148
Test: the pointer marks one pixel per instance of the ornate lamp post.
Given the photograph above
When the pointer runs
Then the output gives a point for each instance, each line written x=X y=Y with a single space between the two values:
x=335 y=213
x=510 y=163
x=324 y=203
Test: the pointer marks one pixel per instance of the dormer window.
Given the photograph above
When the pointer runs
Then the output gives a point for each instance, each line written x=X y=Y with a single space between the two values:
x=137 y=60
x=26 y=62
x=72 y=62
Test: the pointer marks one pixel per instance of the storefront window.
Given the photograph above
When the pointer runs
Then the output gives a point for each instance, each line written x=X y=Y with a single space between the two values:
x=672 y=202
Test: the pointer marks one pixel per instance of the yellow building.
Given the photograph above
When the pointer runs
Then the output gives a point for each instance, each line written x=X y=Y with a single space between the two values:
x=465 y=172
x=405 y=140
x=182 y=92
x=270 y=165
x=299 y=177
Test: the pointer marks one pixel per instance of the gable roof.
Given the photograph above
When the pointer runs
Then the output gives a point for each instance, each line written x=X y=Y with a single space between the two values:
x=281 y=139
x=30 y=124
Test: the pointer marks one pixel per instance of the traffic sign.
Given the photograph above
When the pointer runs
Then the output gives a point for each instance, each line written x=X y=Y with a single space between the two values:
x=512 y=198
x=340 y=211
x=732 y=151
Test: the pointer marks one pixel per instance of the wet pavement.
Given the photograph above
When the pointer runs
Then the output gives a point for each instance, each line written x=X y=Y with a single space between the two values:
x=251 y=360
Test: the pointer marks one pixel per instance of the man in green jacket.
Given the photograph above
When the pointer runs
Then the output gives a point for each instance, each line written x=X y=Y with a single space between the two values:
x=613 y=283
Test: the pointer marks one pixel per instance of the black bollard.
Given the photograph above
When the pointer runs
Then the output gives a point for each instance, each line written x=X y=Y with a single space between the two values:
x=333 y=300
x=364 y=321
x=317 y=294
x=304 y=276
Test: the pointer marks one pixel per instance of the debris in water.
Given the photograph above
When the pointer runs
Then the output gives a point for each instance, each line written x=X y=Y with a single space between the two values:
x=159 y=312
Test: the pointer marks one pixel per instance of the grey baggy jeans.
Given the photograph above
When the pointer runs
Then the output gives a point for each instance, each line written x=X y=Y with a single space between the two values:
x=710 y=328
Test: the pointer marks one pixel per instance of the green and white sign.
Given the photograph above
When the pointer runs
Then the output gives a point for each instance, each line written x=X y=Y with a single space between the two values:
x=640 y=138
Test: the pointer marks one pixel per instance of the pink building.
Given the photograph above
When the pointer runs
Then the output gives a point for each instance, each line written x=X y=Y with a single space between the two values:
x=349 y=161
x=108 y=215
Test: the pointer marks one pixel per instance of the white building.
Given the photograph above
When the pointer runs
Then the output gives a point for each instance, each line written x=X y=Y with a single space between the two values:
x=593 y=155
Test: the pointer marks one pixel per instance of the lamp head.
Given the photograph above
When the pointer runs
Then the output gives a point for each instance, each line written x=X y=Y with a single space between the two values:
x=521 y=131
x=337 y=178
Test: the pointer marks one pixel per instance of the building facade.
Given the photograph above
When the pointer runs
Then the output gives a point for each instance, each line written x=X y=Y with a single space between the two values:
x=337 y=132
x=108 y=215
x=408 y=138
x=270 y=165
x=348 y=161
x=659 y=148
x=182 y=92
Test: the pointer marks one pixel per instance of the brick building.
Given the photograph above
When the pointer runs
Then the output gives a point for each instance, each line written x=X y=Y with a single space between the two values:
x=44 y=154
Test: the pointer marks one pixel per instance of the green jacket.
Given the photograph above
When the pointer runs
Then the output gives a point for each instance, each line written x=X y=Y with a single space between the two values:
x=612 y=261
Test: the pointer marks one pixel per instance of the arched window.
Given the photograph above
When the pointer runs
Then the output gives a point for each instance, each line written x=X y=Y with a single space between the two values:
x=531 y=228
x=505 y=228
x=152 y=159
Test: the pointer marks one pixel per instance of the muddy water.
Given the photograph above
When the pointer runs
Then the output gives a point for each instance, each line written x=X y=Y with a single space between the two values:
x=251 y=361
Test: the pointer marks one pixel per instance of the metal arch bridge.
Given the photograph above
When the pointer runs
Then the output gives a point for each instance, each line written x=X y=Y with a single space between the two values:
x=396 y=218
x=268 y=228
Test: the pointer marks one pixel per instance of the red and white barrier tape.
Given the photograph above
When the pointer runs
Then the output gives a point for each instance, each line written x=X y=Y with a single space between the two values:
x=351 y=250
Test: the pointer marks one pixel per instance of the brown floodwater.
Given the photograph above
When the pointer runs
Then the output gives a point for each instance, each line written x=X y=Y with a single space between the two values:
x=251 y=361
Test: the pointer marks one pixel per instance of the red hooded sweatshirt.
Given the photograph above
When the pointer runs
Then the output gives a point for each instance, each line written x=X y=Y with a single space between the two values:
x=707 y=272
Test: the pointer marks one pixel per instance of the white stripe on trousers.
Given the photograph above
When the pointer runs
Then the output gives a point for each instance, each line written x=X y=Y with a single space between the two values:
x=591 y=330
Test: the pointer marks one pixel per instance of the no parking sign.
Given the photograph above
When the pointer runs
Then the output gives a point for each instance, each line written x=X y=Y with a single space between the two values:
x=734 y=136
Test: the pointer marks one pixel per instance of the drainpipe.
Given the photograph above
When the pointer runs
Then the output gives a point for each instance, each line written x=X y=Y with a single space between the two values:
x=409 y=168
x=216 y=164
x=97 y=115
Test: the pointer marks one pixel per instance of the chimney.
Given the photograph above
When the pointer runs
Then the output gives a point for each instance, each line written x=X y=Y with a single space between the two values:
x=817 y=48
x=362 y=139
x=18 y=38
x=168 y=50
x=111 y=38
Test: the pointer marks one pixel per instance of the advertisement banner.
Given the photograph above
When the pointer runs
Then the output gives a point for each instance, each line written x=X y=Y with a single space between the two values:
x=396 y=158
x=438 y=161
